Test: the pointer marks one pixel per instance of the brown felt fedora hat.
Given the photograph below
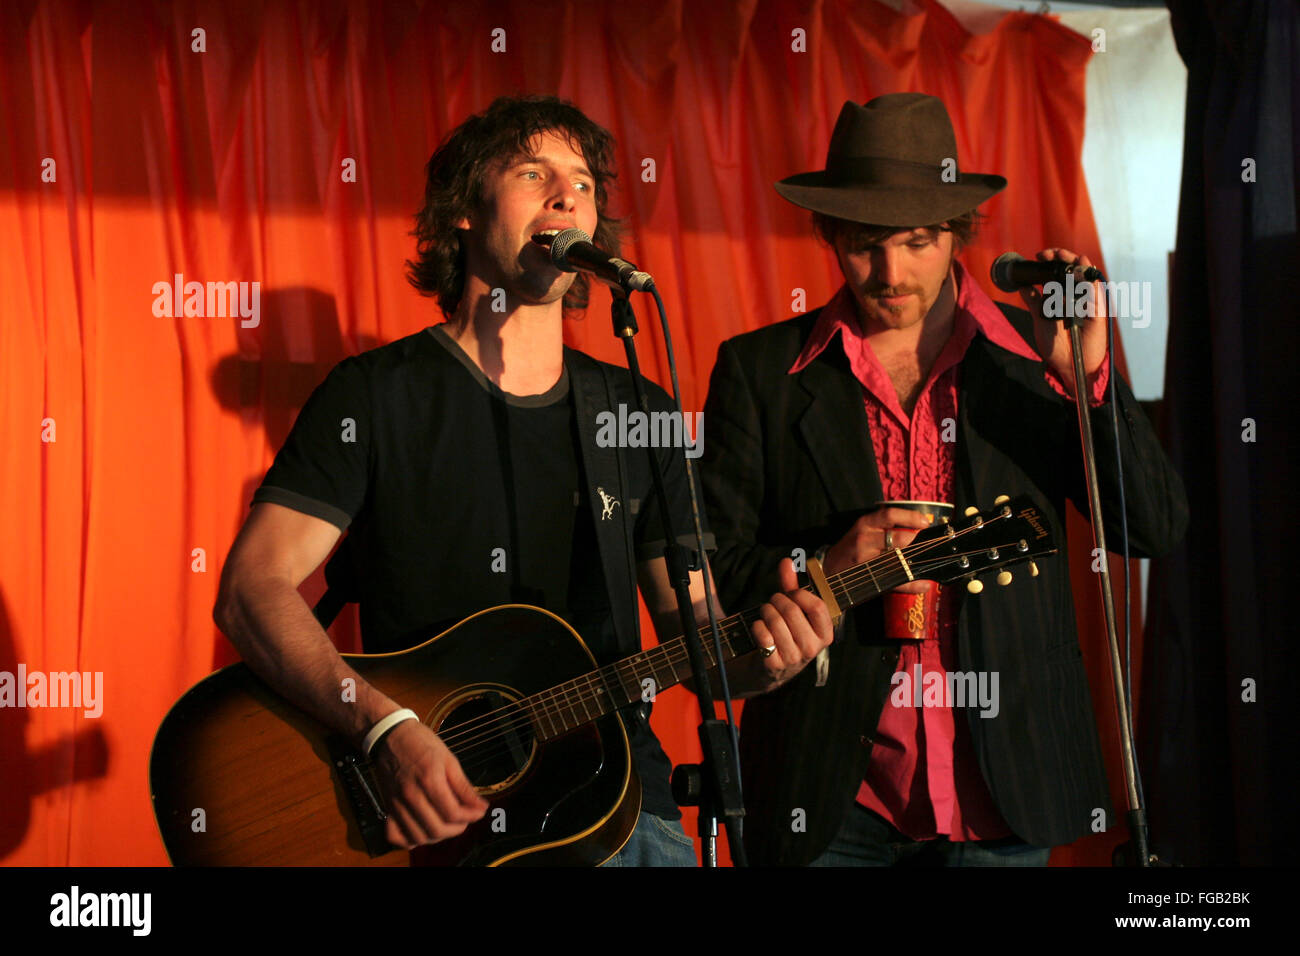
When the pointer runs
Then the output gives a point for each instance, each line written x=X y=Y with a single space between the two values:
x=892 y=162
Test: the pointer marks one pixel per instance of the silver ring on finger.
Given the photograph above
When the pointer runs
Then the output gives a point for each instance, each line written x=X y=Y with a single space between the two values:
x=768 y=651
x=889 y=540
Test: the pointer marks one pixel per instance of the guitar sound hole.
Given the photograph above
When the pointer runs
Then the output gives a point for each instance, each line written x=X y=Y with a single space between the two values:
x=490 y=736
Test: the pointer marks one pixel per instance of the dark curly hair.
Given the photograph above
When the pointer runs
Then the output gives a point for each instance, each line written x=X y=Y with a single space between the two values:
x=861 y=235
x=454 y=187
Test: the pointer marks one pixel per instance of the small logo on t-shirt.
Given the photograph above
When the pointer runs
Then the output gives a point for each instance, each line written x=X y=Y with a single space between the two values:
x=609 y=502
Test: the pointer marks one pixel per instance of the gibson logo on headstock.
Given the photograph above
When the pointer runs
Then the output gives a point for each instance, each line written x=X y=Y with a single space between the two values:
x=1031 y=515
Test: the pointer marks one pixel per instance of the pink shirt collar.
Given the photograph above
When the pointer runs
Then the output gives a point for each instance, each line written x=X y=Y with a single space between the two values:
x=975 y=312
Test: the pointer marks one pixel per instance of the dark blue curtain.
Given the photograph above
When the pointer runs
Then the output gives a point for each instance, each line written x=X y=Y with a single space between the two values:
x=1218 y=717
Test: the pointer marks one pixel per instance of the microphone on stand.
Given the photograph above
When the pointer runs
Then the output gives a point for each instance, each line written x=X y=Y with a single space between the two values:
x=572 y=251
x=1012 y=272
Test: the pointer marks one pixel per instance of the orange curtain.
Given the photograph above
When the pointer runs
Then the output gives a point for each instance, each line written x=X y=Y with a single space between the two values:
x=211 y=140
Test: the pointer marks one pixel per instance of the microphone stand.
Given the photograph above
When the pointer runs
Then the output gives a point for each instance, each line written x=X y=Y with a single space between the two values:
x=1137 y=814
x=718 y=784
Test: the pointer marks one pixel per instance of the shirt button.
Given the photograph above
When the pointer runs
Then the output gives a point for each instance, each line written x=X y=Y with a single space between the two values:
x=866 y=740
x=884 y=656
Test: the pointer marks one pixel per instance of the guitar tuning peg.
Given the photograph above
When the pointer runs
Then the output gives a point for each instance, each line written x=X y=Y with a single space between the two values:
x=972 y=510
x=974 y=585
x=1033 y=570
x=1004 y=578
x=1001 y=498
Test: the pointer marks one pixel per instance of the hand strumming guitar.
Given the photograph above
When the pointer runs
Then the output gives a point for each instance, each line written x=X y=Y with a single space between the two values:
x=429 y=798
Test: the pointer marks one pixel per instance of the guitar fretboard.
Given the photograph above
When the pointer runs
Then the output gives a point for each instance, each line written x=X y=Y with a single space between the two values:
x=941 y=553
x=568 y=706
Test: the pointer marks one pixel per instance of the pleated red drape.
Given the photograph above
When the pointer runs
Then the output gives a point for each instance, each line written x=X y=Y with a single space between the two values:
x=135 y=149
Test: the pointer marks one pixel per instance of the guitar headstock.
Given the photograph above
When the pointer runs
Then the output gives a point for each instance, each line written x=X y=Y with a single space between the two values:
x=1013 y=531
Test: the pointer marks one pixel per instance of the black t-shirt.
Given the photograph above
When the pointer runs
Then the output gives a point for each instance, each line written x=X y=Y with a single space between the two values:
x=458 y=496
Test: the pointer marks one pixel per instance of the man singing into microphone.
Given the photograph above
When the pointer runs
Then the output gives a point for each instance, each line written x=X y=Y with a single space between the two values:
x=912 y=385
x=468 y=476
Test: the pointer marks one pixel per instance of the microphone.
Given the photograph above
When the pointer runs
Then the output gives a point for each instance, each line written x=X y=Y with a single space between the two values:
x=572 y=251
x=1011 y=272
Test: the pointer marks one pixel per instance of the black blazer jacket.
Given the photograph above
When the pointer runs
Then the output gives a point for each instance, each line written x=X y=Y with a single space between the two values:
x=789 y=464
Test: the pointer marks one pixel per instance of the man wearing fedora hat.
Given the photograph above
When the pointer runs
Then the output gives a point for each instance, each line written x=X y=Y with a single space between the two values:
x=911 y=384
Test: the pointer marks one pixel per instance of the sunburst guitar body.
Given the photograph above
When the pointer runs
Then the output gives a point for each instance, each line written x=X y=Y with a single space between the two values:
x=242 y=777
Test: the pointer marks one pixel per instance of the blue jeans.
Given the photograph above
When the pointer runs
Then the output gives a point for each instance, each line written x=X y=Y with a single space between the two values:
x=868 y=839
x=656 y=842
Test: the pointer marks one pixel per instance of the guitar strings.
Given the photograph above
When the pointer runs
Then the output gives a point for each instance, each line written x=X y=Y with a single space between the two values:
x=581 y=692
x=493 y=728
x=490 y=744
x=551 y=704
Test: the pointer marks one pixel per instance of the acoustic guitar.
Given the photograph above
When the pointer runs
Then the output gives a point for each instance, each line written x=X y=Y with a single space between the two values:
x=239 y=776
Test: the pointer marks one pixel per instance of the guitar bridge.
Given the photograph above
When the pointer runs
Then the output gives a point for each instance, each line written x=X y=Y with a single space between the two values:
x=356 y=774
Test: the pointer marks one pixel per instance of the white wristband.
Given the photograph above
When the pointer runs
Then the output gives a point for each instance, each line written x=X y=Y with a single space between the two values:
x=384 y=726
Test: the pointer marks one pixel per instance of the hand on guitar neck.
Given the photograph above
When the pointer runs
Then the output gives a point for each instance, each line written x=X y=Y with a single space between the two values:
x=795 y=624
x=428 y=795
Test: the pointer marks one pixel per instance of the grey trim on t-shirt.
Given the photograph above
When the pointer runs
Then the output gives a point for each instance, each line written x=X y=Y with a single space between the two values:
x=299 y=502
x=551 y=396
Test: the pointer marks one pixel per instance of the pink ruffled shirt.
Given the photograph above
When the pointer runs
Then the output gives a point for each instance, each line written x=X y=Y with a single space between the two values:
x=923 y=776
